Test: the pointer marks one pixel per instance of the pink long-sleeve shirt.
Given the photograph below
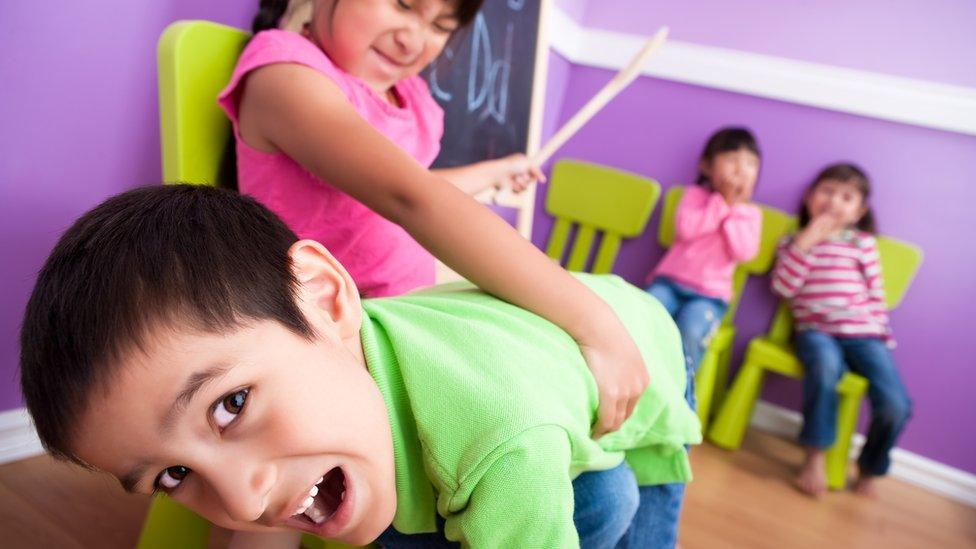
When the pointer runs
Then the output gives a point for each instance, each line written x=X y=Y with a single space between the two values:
x=711 y=238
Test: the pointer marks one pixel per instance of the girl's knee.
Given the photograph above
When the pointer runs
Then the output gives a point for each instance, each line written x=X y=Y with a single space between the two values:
x=823 y=372
x=895 y=411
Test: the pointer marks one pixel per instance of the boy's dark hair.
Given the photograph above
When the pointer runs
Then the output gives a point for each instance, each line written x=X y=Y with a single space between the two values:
x=150 y=258
x=270 y=13
x=726 y=140
x=848 y=173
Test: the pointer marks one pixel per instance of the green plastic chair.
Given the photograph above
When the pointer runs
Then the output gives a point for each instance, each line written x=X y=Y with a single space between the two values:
x=773 y=352
x=196 y=60
x=598 y=200
x=713 y=372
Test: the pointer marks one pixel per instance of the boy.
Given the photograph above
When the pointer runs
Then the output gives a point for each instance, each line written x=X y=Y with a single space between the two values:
x=182 y=339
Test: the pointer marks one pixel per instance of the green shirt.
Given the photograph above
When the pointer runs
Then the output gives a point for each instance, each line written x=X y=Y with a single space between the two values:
x=491 y=408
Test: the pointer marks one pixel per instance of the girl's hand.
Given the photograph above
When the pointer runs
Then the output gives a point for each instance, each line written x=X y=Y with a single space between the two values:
x=736 y=193
x=516 y=172
x=817 y=231
x=742 y=193
x=620 y=374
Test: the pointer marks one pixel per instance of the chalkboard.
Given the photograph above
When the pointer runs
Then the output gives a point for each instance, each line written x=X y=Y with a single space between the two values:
x=484 y=81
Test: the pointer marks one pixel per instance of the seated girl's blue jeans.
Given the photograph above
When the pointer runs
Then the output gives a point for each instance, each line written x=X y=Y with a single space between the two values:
x=697 y=317
x=610 y=510
x=825 y=359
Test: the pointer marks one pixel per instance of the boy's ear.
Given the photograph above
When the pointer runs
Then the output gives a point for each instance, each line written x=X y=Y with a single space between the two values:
x=325 y=288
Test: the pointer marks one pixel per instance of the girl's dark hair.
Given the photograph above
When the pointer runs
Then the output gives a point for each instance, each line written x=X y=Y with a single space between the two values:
x=727 y=140
x=848 y=173
x=270 y=12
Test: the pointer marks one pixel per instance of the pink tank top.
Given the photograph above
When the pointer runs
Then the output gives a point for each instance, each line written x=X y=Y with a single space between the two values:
x=381 y=256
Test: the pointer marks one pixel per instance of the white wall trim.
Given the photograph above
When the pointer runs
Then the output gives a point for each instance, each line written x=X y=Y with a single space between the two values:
x=898 y=99
x=907 y=466
x=18 y=440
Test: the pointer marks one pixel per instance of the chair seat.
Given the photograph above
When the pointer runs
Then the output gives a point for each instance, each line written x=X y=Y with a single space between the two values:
x=782 y=360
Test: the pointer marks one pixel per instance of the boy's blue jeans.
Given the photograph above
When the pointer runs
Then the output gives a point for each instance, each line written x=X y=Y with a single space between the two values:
x=825 y=359
x=610 y=510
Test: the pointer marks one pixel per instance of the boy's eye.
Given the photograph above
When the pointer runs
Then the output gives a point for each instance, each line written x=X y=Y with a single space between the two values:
x=171 y=477
x=403 y=5
x=228 y=408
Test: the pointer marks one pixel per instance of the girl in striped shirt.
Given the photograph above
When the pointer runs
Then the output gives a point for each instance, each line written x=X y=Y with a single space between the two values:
x=831 y=273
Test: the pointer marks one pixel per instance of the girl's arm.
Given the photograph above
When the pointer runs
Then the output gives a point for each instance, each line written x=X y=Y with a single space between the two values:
x=870 y=262
x=514 y=171
x=699 y=212
x=305 y=115
x=790 y=271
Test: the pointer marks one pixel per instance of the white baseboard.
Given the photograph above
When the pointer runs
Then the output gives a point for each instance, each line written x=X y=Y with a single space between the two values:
x=898 y=99
x=18 y=441
x=907 y=466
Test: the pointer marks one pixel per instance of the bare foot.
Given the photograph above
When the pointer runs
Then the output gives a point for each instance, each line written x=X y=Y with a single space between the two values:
x=812 y=479
x=865 y=486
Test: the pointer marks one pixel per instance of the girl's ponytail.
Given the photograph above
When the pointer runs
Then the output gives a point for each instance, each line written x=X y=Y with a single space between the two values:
x=269 y=15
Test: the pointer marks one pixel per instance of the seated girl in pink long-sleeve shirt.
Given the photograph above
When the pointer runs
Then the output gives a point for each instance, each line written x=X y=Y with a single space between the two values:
x=716 y=228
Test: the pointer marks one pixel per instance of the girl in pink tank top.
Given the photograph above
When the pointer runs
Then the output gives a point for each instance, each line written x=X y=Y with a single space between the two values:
x=335 y=132
x=373 y=62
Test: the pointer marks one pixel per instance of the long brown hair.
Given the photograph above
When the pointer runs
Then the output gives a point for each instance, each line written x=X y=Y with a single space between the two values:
x=848 y=173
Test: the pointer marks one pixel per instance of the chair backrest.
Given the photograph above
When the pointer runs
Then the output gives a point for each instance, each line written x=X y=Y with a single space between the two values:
x=775 y=224
x=899 y=264
x=196 y=60
x=597 y=199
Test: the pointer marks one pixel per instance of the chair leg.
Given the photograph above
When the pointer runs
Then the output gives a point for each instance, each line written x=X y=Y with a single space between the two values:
x=722 y=377
x=169 y=524
x=705 y=386
x=848 y=408
x=733 y=417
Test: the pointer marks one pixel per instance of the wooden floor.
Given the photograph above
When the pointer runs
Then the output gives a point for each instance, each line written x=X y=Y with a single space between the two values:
x=741 y=499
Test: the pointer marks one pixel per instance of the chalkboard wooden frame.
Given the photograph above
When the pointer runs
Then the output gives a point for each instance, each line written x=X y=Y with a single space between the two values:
x=490 y=81
x=523 y=203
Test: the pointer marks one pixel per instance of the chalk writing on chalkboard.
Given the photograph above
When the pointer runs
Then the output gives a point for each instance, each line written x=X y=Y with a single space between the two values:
x=484 y=84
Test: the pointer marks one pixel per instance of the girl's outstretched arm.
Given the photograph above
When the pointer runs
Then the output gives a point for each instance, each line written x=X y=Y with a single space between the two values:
x=293 y=109
x=514 y=171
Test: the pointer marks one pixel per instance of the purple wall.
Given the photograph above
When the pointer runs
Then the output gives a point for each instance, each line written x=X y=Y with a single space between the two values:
x=78 y=108
x=576 y=9
x=924 y=192
x=79 y=127
x=931 y=40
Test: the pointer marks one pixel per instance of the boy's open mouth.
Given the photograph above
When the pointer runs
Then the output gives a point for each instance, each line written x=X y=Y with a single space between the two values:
x=324 y=499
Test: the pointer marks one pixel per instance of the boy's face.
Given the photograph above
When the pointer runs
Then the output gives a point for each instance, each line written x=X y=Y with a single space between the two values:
x=239 y=427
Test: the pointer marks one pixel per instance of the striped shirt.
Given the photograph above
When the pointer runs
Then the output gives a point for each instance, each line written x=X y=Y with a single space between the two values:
x=836 y=287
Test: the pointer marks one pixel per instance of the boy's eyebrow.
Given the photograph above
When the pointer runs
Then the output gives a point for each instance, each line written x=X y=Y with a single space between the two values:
x=193 y=384
x=130 y=479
